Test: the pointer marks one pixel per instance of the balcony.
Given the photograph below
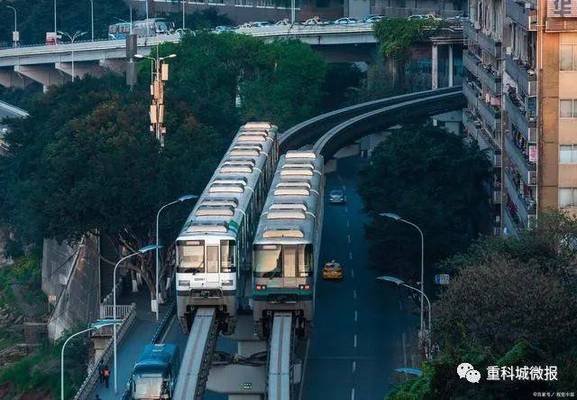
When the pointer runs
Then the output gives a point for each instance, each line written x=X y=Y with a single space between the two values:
x=511 y=222
x=471 y=62
x=491 y=116
x=526 y=81
x=519 y=118
x=489 y=44
x=521 y=161
x=523 y=205
x=469 y=31
x=490 y=79
x=526 y=17
x=483 y=138
x=471 y=94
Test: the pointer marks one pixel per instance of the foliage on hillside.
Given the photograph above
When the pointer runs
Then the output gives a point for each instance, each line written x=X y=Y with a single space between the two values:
x=396 y=35
x=432 y=178
x=510 y=303
x=85 y=160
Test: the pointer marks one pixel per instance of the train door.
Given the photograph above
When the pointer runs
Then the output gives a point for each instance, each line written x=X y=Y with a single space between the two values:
x=212 y=264
x=289 y=265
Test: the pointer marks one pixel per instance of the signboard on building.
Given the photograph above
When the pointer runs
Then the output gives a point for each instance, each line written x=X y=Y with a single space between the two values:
x=533 y=153
x=562 y=8
x=442 y=279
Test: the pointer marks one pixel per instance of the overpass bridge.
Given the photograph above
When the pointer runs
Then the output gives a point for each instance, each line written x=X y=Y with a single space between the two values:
x=327 y=133
x=55 y=64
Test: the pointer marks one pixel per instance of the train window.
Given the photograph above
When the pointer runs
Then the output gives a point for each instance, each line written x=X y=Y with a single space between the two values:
x=305 y=259
x=296 y=172
x=220 y=202
x=301 y=154
x=267 y=261
x=216 y=188
x=257 y=126
x=236 y=169
x=212 y=259
x=251 y=138
x=294 y=184
x=280 y=233
x=286 y=214
x=214 y=211
x=289 y=206
x=245 y=152
x=227 y=252
x=292 y=192
x=191 y=256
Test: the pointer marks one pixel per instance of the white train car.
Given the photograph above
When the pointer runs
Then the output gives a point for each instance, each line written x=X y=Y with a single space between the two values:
x=287 y=243
x=214 y=246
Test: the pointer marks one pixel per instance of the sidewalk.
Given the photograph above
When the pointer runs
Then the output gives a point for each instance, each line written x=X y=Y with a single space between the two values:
x=133 y=343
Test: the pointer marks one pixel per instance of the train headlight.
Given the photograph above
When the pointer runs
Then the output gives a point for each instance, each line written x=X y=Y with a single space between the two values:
x=227 y=283
x=183 y=283
x=260 y=287
x=305 y=287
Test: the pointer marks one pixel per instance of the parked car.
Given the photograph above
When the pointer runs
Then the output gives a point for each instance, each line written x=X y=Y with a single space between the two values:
x=333 y=271
x=337 y=196
x=346 y=21
x=430 y=17
x=222 y=28
x=315 y=21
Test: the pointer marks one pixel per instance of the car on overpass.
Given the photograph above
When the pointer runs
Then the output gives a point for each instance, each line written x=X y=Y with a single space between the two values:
x=337 y=196
x=372 y=19
x=346 y=21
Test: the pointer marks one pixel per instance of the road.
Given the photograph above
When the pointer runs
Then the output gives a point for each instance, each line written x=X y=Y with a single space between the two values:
x=358 y=324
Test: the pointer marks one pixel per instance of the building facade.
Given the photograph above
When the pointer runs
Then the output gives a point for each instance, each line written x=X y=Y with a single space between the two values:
x=521 y=89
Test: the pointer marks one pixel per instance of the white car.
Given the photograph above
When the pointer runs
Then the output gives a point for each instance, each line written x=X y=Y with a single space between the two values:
x=429 y=17
x=337 y=196
x=346 y=21
x=372 y=19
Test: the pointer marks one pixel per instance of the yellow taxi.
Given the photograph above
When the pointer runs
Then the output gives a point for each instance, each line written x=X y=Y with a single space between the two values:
x=332 y=271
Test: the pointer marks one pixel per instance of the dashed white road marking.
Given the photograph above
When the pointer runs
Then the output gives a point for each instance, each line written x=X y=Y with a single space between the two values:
x=354 y=367
x=348 y=224
x=346 y=210
x=350 y=255
x=356 y=316
x=349 y=238
x=354 y=294
x=353 y=394
x=355 y=340
x=353 y=273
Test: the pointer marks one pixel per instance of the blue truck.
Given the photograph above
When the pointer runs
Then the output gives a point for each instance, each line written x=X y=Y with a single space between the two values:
x=154 y=375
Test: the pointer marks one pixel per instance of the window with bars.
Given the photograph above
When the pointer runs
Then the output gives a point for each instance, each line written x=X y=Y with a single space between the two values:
x=568 y=108
x=568 y=154
x=568 y=57
x=567 y=197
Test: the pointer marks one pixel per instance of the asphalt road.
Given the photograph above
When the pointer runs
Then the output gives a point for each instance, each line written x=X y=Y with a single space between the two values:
x=357 y=325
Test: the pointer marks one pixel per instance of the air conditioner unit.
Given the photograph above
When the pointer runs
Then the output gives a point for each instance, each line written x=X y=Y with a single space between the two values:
x=508 y=51
x=528 y=6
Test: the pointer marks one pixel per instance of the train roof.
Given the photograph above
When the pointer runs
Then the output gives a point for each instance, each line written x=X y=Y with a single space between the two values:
x=226 y=198
x=293 y=202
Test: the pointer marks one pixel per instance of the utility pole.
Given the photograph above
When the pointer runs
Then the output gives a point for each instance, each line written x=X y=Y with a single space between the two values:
x=159 y=74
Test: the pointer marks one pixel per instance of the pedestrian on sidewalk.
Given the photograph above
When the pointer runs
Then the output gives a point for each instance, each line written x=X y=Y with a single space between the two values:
x=106 y=375
x=101 y=372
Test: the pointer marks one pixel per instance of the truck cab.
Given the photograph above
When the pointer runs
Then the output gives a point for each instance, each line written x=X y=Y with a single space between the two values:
x=154 y=375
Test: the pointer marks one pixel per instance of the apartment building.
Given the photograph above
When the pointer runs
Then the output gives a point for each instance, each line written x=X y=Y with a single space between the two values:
x=521 y=86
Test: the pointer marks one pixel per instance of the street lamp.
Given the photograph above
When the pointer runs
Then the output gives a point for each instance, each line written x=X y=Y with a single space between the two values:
x=400 y=282
x=179 y=200
x=183 y=14
x=55 y=31
x=72 y=38
x=396 y=217
x=143 y=250
x=93 y=326
x=15 y=35
x=92 y=18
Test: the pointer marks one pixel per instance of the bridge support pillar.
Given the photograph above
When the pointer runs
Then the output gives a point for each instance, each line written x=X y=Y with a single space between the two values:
x=435 y=67
x=10 y=79
x=44 y=74
x=116 y=66
x=81 y=69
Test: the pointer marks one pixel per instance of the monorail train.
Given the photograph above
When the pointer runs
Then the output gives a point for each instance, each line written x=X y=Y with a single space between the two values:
x=287 y=242
x=214 y=248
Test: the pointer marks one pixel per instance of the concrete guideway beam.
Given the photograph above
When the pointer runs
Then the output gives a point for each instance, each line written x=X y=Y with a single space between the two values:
x=46 y=75
x=280 y=357
x=81 y=69
x=11 y=79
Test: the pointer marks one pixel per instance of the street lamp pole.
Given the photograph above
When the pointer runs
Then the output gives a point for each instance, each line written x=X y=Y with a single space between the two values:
x=139 y=252
x=15 y=33
x=183 y=14
x=400 y=282
x=157 y=262
x=92 y=18
x=91 y=328
x=146 y=6
x=72 y=38
x=55 y=30
x=398 y=218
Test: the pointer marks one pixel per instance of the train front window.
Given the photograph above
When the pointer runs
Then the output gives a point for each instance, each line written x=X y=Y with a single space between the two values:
x=212 y=259
x=191 y=256
x=227 y=250
x=148 y=386
x=268 y=261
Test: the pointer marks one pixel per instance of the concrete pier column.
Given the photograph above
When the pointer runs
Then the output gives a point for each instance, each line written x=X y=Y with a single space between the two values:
x=451 y=65
x=10 y=79
x=46 y=75
x=81 y=69
x=435 y=67
x=116 y=66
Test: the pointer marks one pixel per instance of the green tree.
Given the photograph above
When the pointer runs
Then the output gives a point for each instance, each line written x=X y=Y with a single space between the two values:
x=432 y=178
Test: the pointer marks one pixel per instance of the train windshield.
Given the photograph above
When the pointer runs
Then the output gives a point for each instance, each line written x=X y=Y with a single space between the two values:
x=148 y=386
x=288 y=261
x=191 y=256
